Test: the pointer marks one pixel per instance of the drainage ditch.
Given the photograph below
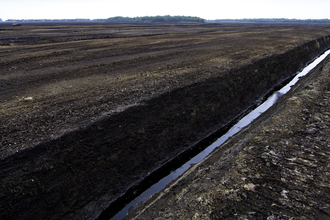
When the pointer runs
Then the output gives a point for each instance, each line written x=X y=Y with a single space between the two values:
x=157 y=180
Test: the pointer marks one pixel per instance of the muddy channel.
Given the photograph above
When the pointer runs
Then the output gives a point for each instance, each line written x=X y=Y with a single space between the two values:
x=241 y=122
x=275 y=168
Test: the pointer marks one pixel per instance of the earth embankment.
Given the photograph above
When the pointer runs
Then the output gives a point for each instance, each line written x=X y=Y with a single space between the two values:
x=87 y=112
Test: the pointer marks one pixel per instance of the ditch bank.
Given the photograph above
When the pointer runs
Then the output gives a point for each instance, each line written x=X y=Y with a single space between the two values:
x=80 y=174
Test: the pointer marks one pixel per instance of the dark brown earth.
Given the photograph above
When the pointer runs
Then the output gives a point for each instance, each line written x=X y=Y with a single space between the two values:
x=87 y=111
x=276 y=168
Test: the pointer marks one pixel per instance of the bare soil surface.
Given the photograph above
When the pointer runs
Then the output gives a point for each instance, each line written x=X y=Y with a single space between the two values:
x=276 y=168
x=55 y=78
x=87 y=111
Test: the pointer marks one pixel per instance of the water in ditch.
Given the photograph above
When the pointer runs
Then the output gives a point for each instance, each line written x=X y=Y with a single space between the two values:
x=232 y=131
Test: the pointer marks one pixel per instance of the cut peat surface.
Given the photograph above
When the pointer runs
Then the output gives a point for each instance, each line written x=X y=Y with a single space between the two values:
x=88 y=111
x=275 y=168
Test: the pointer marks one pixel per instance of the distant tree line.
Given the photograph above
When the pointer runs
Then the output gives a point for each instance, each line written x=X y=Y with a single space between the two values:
x=157 y=19
x=271 y=20
x=176 y=19
x=48 y=20
x=119 y=19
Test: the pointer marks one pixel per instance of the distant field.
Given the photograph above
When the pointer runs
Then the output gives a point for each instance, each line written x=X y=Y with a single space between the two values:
x=57 y=79
x=78 y=72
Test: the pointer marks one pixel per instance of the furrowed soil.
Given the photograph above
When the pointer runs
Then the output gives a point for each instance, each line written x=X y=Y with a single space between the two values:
x=89 y=110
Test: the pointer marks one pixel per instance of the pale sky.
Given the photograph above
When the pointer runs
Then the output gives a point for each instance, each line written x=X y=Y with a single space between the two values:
x=207 y=9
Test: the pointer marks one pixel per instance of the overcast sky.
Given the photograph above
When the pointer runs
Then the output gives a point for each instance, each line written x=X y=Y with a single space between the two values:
x=208 y=9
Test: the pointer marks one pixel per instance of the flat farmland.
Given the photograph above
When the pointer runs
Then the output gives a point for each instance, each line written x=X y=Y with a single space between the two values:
x=55 y=77
x=80 y=101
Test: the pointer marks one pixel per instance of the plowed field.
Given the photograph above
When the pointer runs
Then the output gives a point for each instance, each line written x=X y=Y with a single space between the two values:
x=55 y=78
x=87 y=110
